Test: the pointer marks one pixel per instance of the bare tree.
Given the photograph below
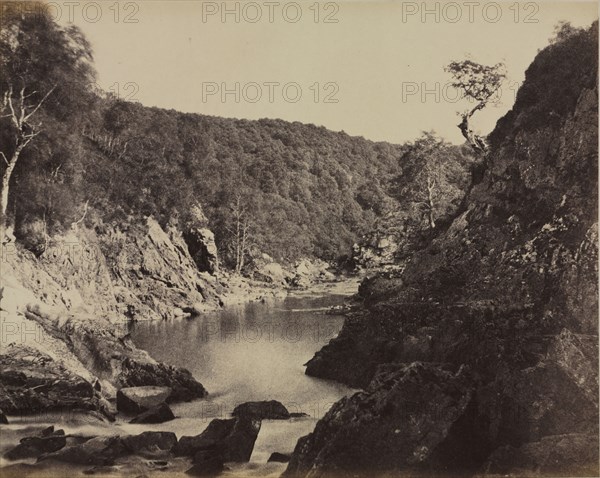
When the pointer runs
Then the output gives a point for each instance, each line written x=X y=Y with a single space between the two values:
x=478 y=83
x=24 y=130
x=240 y=232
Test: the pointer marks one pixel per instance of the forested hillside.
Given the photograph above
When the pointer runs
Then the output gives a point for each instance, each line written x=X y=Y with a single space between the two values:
x=286 y=189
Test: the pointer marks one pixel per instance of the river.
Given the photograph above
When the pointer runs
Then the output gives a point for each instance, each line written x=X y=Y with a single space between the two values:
x=242 y=353
x=250 y=352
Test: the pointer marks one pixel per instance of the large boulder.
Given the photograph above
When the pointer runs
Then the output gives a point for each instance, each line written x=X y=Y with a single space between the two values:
x=265 y=410
x=140 y=399
x=31 y=382
x=216 y=431
x=404 y=421
x=208 y=462
x=233 y=438
x=556 y=455
x=160 y=414
x=277 y=457
x=271 y=273
x=137 y=373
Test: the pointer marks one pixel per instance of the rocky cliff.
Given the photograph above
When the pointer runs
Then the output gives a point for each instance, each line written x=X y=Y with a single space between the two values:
x=65 y=313
x=481 y=358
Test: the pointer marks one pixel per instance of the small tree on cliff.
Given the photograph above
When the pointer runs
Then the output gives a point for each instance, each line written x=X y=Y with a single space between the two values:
x=478 y=83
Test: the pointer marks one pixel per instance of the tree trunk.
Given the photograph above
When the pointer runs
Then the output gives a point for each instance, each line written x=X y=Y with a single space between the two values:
x=5 y=225
x=476 y=142
x=430 y=189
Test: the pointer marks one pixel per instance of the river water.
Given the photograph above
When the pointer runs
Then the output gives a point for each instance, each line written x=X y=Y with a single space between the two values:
x=242 y=353
x=253 y=352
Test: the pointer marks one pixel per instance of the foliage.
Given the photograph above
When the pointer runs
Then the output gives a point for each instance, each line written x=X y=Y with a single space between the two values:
x=44 y=60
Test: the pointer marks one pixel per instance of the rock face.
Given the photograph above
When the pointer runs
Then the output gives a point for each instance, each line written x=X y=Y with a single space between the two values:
x=406 y=420
x=141 y=399
x=154 y=273
x=202 y=248
x=508 y=293
x=232 y=439
x=558 y=455
x=267 y=410
x=33 y=382
x=69 y=309
x=307 y=272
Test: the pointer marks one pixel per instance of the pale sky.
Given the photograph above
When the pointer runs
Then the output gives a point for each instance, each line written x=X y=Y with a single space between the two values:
x=377 y=60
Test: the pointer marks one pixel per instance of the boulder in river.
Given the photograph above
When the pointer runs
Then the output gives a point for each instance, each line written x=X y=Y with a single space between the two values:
x=160 y=414
x=405 y=421
x=100 y=451
x=207 y=462
x=265 y=410
x=150 y=442
x=140 y=399
x=31 y=381
x=46 y=441
x=233 y=438
x=277 y=457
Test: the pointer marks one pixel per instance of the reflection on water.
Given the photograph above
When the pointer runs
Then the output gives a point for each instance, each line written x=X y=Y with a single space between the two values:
x=251 y=352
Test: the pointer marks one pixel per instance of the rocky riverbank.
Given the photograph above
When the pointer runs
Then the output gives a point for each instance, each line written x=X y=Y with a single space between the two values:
x=47 y=450
x=67 y=357
x=480 y=358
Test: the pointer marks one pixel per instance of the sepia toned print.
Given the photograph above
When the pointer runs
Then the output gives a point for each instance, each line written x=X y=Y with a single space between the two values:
x=299 y=239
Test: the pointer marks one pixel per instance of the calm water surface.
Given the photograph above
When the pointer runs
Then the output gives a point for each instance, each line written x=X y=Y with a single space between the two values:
x=244 y=353
x=253 y=352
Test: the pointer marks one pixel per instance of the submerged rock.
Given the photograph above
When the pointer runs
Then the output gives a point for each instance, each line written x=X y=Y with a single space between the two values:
x=141 y=399
x=265 y=410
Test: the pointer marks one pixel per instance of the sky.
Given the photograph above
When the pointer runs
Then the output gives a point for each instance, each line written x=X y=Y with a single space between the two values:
x=371 y=69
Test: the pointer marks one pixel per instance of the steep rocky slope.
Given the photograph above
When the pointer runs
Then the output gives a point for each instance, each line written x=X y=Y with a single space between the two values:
x=481 y=358
x=64 y=316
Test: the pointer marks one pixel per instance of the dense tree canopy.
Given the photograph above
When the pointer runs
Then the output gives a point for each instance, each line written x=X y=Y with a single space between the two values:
x=293 y=190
